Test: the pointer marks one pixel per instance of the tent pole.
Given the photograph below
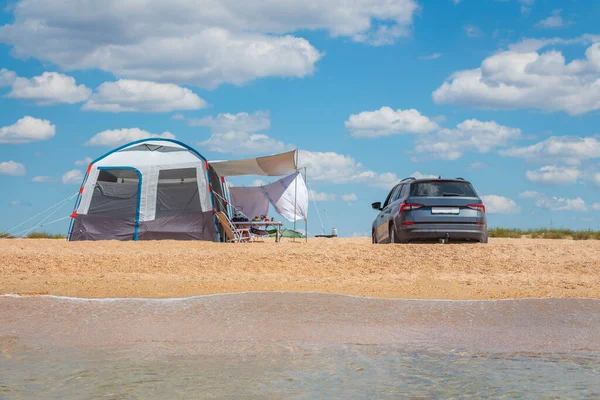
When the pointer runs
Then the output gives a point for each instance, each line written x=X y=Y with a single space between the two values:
x=295 y=192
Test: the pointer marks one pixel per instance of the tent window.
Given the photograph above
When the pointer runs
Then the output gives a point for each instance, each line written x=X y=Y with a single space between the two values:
x=115 y=194
x=177 y=192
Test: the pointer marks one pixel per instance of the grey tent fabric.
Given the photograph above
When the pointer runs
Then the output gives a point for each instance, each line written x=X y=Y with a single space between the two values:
x=250 y=201
x=115 y=200
x=275 y=165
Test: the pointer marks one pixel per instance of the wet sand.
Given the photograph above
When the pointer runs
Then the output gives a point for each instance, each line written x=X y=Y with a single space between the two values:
x=504 y=268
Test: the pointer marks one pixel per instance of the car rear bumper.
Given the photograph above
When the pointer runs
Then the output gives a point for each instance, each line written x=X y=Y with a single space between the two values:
x=442 y=231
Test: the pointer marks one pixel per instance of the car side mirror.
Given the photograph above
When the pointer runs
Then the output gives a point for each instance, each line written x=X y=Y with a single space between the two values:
x=376 y=206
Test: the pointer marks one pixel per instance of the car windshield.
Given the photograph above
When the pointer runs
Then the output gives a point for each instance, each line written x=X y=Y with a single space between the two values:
x=442 y=188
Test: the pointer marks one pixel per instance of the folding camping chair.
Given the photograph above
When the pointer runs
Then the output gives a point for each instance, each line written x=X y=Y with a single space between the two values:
x=233 y=233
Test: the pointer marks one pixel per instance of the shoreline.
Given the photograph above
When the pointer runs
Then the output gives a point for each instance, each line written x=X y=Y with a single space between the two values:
x=225 y=294
x=502 y=269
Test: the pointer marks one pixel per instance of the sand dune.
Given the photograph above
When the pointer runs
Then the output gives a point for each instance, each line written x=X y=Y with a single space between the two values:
x=504 y=268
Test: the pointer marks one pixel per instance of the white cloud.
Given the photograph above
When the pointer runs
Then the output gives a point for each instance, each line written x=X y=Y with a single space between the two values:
x=7 y=77
x=178 y=117
x=206 y=42
x=349 y=197
x=570 y=150
x=495 y=204
x=258 y=182
x=553 y=21
x=418 y=175
x=476 y=165
x=562 y=204
x=17 y=203
x=522 y=78
x=386 y=122
x=42 y=179
x=12 y=168
x=244 y=143
x=527 y=45
x=555 y=203
x=531 y=194
x=338 y=168
x=469 y=135
x=433 y=56
x=319 y=196
x=117 y=137
x=127 y=95
x=236 y=133
x=596 y=179
x=72 y=177
x=86 y=161
x=27 y=129
x=49 y=88
x=554 y=175
x=257 y=121
x=472 y=31
x=596 y=206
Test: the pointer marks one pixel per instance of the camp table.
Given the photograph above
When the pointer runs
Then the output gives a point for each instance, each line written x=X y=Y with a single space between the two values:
x=264 y=224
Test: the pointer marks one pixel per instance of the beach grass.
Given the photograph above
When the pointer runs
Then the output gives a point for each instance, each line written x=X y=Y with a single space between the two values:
x=546 y=233
x=45 y=235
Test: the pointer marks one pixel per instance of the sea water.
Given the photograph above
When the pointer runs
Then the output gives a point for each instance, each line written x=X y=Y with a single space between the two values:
x=297 y=345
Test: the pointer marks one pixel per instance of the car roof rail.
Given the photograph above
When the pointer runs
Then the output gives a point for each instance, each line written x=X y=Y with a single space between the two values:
x=460 y=179
x=410 y=178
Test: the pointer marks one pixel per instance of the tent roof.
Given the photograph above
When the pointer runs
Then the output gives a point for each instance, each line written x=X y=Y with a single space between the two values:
x=275 y=165
x=150 y=152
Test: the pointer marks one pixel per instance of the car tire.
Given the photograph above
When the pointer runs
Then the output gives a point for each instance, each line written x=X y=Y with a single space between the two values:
x=393 y=235
x=483 y=240
x=373 y=238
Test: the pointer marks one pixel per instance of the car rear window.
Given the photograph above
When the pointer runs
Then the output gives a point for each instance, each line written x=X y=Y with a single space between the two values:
x=442 y=188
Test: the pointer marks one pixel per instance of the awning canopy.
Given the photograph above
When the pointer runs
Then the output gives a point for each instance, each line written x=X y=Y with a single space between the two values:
x=288 y=196
x=275 y=165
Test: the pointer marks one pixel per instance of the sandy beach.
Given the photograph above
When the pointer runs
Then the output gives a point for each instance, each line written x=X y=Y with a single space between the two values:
x=504 y=268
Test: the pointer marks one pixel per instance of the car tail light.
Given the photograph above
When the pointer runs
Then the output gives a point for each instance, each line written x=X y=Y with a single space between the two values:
x=409 y=207
x=478 y=207
x=408 y=223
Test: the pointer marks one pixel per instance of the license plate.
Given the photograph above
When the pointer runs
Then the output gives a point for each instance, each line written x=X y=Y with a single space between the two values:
x=445 y=210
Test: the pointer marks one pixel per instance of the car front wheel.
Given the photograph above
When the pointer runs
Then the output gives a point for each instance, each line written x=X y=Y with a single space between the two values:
x=373 y=238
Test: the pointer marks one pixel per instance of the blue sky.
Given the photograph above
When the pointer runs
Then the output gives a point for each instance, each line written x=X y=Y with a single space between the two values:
x=503 y=93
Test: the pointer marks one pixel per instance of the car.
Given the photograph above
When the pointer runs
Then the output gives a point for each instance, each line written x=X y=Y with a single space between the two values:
x=430 y=210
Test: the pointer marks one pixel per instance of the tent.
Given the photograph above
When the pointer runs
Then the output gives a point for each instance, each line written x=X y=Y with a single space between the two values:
x=146 y=190
x=154 y=189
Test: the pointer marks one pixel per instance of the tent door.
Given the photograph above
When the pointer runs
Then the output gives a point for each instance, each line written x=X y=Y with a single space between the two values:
x=116 y=202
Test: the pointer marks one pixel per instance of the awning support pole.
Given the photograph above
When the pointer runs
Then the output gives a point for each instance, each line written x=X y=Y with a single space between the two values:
x=306 y=216
x=296 y=193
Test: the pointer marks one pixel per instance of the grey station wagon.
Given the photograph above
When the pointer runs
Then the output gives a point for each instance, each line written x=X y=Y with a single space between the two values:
x=430 y=210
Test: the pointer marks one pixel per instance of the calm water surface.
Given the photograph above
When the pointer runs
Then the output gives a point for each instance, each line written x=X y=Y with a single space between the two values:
x=294 y=345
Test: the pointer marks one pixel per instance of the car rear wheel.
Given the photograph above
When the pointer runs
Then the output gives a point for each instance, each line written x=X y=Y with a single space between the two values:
x=373 y=238
x=393 y=237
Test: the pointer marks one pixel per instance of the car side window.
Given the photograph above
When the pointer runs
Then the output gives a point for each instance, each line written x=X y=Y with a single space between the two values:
x=389 y=198
x=405 y=190
x=398 y=192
